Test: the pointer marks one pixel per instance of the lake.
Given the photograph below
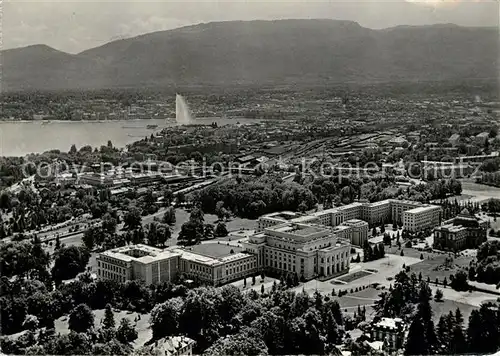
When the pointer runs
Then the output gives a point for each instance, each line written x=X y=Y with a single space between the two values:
x=21 y=138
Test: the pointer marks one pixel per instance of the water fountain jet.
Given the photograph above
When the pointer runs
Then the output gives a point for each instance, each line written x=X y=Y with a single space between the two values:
x=183 y=115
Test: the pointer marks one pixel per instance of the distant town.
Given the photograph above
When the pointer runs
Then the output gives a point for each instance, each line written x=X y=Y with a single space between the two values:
x=358 y=221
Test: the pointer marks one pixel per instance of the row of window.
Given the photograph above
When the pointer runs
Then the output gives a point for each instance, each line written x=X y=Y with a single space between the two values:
x=242 y=268
x=286 y=266
x=109 y=275
x=111 y=267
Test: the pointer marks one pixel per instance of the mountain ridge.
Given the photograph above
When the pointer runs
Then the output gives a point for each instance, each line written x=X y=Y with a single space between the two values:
x=260 y=51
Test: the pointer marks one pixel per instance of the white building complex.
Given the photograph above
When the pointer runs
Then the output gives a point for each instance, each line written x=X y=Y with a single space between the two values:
x=309 y=246
x=413 y=215
x=154 y=265
x=304 y=249
x=421 y=218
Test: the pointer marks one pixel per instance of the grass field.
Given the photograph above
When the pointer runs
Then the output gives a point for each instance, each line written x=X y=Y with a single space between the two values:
x=434 y=267
x=353 y=276
x=367 y=298
x=215 y=249
x=141 y=325
x=444 y=307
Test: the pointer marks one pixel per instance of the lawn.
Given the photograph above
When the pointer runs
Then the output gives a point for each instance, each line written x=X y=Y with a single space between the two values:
x=215 y=249
x=433 y=266
x=353 y=276
x=444 y=307
x=235 y=224
x=367 y=298
x=141 y=325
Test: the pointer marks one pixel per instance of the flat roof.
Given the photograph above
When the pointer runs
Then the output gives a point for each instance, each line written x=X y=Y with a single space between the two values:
x=389 y=322
x=355 y=222
x=214 y=249
x=451 y=227
x=195 y=257
x=308 y=231
x=381 y=202
x=235 y=257
x=151 y=253
x=281 y=214
x=421 y=209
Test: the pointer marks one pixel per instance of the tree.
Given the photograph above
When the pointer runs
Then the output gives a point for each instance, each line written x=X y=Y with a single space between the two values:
x=132 y=218
x=483 y=332
x=246 y=342
x=416 y=344
x=208 y=231
x=81 y=319
x=197 y=216
x=221 y=230
x=30 y=322
x=367 y=252
x=88 y=239
x=459 y=282
x=126 y=332
x=69 y=261
x=168 y=197
x=438 y=297
x=109 y=223
x=169 y=216
x=181 y=197
x=165 y=318
x=219 y=210
x=457 y=342
x=192 y=232
x=163 y=235
x=109 y=318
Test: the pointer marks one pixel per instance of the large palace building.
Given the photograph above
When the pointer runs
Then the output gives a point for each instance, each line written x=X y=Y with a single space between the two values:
x=308 y=250
x=462 y=232
x=311 y=246
x=154 y=265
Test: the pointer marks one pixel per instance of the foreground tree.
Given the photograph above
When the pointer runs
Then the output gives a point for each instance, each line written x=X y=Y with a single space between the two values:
x=132 y=218
x=221 y=230
x=192 y=232
x=126 y=332
x=246 y=342
x=69 y=261
x=109 y=318
x=459 y=282
x=165 y=318
x=169 y=216
x=81 y=319
x=483 y=332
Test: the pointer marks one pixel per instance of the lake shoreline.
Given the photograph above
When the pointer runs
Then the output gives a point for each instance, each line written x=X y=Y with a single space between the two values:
x=19 y=138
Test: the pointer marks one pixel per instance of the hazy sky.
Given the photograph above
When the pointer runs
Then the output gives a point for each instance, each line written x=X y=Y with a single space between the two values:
x=73 y=26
